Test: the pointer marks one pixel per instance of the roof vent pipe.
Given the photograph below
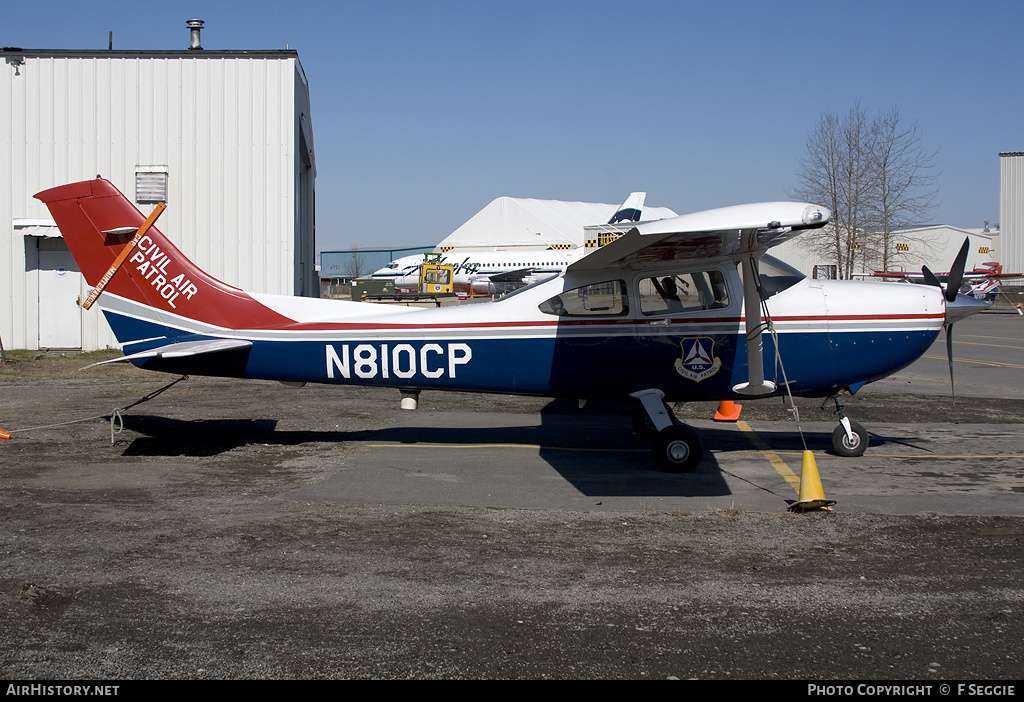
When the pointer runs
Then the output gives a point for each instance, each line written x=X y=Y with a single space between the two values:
x=195 y=25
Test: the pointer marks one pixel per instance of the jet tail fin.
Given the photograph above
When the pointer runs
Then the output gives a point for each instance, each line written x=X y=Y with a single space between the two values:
x=630 y=210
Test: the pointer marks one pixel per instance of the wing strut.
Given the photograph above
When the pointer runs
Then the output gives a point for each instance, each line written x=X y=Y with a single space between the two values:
x=756 y=384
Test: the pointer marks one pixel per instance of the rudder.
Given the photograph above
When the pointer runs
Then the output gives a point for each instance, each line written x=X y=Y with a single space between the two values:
x=97 y=222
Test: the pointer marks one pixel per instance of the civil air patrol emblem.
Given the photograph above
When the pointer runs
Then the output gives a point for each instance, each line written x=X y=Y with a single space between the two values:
x=698 y=361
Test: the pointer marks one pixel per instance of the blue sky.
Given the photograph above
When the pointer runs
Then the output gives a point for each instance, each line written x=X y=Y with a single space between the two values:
x=424 y=112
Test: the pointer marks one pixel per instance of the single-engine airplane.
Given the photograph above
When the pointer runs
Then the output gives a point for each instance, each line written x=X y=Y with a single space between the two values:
x=684 y=308
x=981 y=283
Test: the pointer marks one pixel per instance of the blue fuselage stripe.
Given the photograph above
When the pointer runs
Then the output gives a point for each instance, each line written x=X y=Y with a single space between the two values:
x=686 y=365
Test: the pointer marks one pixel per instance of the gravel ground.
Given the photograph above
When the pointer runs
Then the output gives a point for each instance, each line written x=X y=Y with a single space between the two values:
x=169 y=554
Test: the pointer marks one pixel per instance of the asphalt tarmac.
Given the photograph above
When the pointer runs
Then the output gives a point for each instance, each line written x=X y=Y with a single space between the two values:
x=564 y=458
x=246 y=530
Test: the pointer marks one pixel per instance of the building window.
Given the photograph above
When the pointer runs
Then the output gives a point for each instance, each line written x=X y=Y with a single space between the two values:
x=825 y=272
x=150 y=186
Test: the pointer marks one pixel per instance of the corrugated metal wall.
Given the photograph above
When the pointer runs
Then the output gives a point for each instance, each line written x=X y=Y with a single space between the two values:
x=1011 y=211
x=226 y=128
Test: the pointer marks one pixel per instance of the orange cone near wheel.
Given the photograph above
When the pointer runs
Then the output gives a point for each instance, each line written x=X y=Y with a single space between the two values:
x=728 y=411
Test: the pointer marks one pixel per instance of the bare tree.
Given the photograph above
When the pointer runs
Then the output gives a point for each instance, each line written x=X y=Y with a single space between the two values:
x=355 y=263
x=875 y=177
x=836 y=173
x=903 y=185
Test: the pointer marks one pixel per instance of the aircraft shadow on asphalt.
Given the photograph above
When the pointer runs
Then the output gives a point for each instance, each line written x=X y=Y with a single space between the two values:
x=163 y=436
x=593 y=449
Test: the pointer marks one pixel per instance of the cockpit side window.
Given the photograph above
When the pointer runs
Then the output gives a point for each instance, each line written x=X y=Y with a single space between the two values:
x=683 y=292
x=606 y=299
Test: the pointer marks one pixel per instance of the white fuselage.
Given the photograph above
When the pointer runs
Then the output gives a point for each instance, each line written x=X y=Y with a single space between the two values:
x=474 y=266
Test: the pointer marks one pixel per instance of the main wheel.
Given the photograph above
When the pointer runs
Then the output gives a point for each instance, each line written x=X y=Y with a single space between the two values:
x=842 y=444
x=677 y=449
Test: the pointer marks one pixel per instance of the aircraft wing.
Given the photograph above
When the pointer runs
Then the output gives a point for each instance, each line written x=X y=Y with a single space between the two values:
x=895 y=274
x=899 y=275
x=726 y=232
x=991 y=276
x=511 y=276
x=182 y=349
x=942 y=277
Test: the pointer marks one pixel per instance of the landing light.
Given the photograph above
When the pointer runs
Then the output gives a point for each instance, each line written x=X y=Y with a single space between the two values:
x=814 y=215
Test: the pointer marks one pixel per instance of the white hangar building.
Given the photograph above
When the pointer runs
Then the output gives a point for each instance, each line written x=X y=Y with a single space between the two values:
x=224 y=137
x=933 y=245
x=1011 y=209
x=510 y=223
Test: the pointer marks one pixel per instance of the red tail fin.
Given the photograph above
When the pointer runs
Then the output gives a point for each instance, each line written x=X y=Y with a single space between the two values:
x=97 y=222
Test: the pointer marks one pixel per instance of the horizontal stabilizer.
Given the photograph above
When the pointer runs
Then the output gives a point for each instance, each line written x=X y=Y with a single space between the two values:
x=183 y=349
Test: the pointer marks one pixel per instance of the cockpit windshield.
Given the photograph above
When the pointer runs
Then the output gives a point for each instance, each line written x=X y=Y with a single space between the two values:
x=777 y=276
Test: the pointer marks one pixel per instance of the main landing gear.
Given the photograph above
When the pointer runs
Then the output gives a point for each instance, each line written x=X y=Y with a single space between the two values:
x=849 y=439
x=675 y=447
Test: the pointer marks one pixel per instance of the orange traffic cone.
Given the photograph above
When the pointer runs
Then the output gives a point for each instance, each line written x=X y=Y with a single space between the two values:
x=811 y=496
x=4 y=435
x=728 y=411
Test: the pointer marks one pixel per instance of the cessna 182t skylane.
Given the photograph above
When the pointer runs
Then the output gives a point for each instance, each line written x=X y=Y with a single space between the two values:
x=658 y=315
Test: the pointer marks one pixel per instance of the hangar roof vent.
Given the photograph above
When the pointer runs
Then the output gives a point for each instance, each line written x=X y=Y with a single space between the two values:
x=194 y=25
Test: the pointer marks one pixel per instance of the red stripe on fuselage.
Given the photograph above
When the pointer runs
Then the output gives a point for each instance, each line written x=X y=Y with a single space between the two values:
x=645 y=322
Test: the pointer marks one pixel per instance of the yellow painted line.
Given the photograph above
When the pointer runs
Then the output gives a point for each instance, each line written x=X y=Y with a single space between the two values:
x=535 y=447
x=982 y=336
x=997 y=346
x=927 y=455
x=971 y=360
x=773 y=457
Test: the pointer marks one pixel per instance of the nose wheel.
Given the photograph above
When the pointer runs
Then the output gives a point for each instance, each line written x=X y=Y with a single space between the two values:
x=852 y=444
x=849 y=439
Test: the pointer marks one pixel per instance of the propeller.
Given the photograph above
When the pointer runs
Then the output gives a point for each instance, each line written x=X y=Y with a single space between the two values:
x=953 y=281
x=956 y=273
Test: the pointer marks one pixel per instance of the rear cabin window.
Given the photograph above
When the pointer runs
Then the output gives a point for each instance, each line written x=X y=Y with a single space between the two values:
x=606 y=299
x=683 y=292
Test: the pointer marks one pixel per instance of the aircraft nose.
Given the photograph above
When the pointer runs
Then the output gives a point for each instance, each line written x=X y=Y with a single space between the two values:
x=963 y=307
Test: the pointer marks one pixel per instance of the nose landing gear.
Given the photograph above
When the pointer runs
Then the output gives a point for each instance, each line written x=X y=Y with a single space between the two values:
x=849 y=439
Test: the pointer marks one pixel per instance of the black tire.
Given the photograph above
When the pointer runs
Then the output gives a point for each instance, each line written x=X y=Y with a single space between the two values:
x=677 y=449
x=842 y=445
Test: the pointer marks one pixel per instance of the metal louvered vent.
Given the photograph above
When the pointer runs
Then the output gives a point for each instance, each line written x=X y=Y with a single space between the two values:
x=150 y=187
